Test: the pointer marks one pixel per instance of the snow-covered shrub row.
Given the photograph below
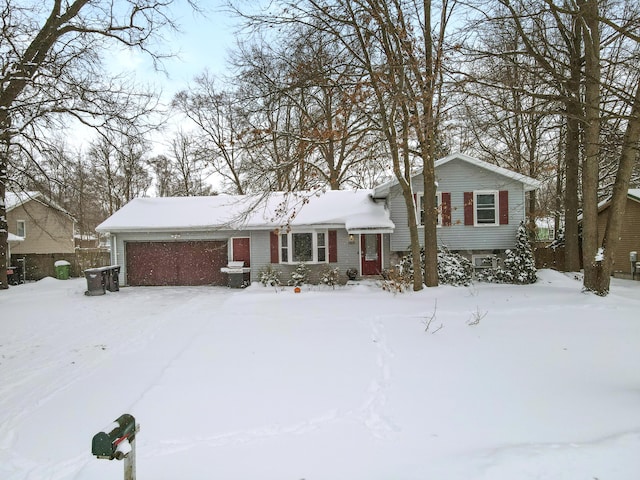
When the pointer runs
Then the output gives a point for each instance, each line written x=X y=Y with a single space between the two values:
x=453 y=268
x=519 y=266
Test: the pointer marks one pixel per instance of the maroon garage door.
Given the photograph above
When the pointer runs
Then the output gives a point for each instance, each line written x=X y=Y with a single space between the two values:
x=176 y=263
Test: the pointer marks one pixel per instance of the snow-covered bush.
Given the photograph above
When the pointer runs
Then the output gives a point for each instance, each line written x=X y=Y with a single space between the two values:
x=299 y=275
x=453 y=268
x=330 y=276
x=520 y=262
x=269 y=276
x=519 y=265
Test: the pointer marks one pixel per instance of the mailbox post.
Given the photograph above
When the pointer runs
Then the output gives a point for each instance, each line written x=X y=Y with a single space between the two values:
x=117 y=440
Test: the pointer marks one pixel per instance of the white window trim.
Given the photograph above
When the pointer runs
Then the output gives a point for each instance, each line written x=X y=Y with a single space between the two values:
x=496 y=195
x=493 y=258
x=24 y=228
x=314 y=246
x=419 y=202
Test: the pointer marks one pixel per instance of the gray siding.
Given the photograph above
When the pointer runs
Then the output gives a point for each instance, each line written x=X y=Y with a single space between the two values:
x=348 y=257
x=348 y=253
x=457 y=177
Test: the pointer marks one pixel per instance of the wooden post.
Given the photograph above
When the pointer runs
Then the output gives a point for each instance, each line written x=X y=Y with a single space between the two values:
x=130 y=463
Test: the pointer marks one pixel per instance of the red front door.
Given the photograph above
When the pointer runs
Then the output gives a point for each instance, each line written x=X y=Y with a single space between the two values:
x=371 y=253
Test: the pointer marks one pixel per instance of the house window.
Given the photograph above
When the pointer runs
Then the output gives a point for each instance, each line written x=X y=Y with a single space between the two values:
x=420 y=198
x=308 y=247
x=484 y=261
x=486 y=208
x=21 y=229
x=322 y=247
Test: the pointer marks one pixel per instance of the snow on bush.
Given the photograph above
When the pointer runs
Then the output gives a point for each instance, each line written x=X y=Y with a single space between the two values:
x=330 y=276
x=299 y=275
x=453 y=269
x=519 y=266
x=396 y=280
x=269 y=276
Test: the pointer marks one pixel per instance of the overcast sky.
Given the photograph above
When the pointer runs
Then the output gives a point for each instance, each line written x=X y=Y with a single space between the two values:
x=203 y=43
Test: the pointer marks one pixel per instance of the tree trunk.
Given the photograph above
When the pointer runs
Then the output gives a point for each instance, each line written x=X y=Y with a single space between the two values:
x=572 y=154
x=628 y=157
x=428 y=149
x=590 y=167
x=5 y=142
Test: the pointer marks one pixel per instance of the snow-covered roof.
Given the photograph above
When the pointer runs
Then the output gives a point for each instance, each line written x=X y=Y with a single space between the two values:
x=15 y=199
x=528 y=182
x=14 y=238
x=354 y=210
x=632 y=193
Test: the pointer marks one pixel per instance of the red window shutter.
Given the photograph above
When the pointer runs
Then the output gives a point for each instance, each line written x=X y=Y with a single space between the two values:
x=504 y=207
x=446 y=209
x=468 y=208
x=333 y=246
x=274 y=248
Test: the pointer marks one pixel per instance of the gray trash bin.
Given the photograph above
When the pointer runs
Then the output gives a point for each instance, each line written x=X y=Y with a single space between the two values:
x=235 y=273
x=96 y=284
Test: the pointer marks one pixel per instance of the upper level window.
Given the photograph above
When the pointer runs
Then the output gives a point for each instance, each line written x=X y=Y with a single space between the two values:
x=486 y=207
x=308 y=247
x=420 y=201
x=21 y=229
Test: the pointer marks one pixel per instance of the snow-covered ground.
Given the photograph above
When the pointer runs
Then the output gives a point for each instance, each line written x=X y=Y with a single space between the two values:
x=325 y=384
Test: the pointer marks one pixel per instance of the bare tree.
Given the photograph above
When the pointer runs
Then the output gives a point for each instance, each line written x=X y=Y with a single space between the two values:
x=214 y=112
x=50 y=69
x=309 y=73
x=399 y=58
x=190 y=167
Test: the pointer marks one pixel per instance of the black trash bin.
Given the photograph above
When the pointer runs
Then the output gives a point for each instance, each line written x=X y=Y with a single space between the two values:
x=14 y=275
x=96 y=281
x=113 y=283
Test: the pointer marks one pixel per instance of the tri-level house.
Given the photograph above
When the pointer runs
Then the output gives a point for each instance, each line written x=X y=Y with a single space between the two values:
x=190 y=240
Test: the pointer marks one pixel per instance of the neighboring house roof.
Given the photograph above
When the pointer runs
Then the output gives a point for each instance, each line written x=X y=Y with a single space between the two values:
x=528 y=182
x=632 y=193
x=354 y=210
x=13 y=200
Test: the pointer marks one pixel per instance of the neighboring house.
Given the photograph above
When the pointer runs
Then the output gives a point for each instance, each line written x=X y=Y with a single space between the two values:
x=629 y=234
x=188 y=240
x=45 y=227
x=47 y=230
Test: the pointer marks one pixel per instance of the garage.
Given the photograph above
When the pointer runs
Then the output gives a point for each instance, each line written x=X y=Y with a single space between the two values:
x=176 y=263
